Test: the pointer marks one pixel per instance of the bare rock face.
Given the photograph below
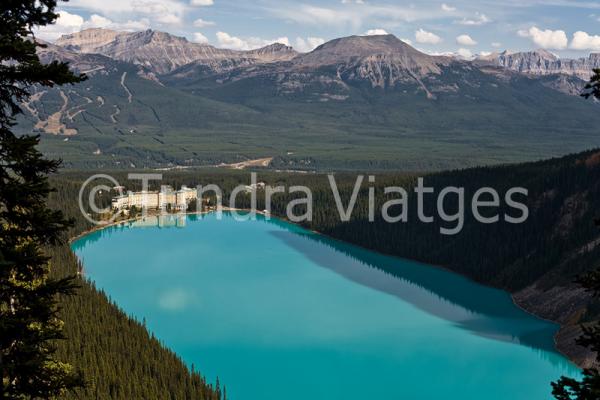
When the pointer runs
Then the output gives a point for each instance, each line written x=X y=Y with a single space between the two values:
x=158 y=51
x=542 y=62
x=87 y=41
x=272 y=53
x=89 y=64
x=565 y=305
x=355 y=48
x=162 y=52
x=381 y=61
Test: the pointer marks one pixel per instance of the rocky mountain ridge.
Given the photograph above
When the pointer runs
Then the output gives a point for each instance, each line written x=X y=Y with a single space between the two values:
x=161 y=52
x=376 y=90
x=381 y=61
x=543 y=62
x=329 y=71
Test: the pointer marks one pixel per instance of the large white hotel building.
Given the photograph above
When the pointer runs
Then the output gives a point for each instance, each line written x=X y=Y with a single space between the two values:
x=154 y=200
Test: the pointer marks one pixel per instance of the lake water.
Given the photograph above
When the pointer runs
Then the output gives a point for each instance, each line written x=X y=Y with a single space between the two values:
x=277 y=312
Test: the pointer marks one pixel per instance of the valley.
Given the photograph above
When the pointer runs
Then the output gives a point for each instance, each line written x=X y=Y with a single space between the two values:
x=353 y=103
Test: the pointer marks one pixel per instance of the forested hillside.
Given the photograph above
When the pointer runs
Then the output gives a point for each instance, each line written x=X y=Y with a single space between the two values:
x=116 y=355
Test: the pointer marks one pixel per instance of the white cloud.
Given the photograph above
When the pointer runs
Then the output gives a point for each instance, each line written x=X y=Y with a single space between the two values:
x=320 y=15
x=308 y=44
x=547 y=39
x=407 y=41
x=496 y=44
x=198 y=37
x=479 y=19
x=202 y=3
x=422 y=36
x=447 y=8
x=353 y=14
x=465 y=40
x=232 y=42
x=438 y=53
x=68 y=20
x=132 y=25
x=70 y=23
x=235 y=43
x=97 y=21
x=584 y=41
x=373 y=32
x=465 y=53
x=200 y=23
x=485 y=53
x=65 y=23
x=353 y=2
x=155 y=11
x=168 y=19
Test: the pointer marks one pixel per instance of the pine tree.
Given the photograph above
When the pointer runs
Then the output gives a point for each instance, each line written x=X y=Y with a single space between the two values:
x=29 y=323
x=593 y=88
x=589 y=387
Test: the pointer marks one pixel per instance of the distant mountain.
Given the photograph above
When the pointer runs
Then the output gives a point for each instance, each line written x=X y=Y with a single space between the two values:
x=329 y=71
x=272 y=53
x=162 y=52
x=360 y=102
x=383 y=61
x=355 y=49
x=542 y=62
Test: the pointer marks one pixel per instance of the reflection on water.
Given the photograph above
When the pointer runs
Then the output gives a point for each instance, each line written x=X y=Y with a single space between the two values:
x=161 y=221
x=476 y=308
x=481 y=310
x=280 y=312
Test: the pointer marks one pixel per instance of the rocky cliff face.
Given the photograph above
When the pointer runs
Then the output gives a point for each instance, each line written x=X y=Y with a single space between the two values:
x=158 y=51
x=542 y=62
x=383 y=61
x=162 y=52
x=272 y=53
x=87 y=41
x=90 y=64
x=350 y=50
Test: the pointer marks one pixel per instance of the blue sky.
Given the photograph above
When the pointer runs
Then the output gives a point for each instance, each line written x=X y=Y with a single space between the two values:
x=570 y=28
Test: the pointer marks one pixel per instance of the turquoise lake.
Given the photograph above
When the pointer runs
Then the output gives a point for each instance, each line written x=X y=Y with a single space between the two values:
x=278 y=312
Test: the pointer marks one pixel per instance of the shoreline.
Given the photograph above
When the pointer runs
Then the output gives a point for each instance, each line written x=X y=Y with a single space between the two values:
x=427 y=265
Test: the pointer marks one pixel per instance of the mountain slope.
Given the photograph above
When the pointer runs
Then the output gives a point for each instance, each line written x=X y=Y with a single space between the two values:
x=353 y=103
x=162 y=52
x=353 y=49
x=122 y=116
x=379 y=88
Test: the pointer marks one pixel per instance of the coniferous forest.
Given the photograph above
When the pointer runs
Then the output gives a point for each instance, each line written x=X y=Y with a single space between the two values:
x=115 y=354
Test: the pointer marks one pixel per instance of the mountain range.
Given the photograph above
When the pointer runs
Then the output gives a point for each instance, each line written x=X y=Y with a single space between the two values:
x=161 y=52
x=154 y=99
x=543 y=62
